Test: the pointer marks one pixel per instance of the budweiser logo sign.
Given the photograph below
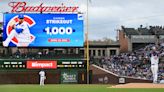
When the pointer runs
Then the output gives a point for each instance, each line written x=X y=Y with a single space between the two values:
x=23 y=7
x=41 y=64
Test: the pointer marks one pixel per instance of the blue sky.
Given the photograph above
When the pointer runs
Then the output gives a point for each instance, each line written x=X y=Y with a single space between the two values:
x=106 y=16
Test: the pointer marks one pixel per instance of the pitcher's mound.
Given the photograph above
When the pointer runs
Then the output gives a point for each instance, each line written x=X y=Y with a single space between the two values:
x=139 y=85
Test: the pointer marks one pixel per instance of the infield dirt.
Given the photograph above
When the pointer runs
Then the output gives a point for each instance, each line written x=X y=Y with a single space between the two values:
x=139 y=85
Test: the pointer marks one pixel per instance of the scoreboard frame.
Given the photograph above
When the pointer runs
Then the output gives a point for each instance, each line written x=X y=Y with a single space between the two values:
x=21 y=64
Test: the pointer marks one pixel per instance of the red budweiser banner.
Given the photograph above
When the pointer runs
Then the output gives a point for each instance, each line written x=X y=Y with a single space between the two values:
x=41 y=64
x=23 y=7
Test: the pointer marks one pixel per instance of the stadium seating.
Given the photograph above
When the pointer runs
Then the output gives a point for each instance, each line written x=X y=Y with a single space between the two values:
x=131 y=31
x=133 y=64
x=144 y=31
x=152 y=30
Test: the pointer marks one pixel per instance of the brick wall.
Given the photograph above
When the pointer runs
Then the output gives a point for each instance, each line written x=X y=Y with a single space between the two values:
x=123 y=42
x=102 y=76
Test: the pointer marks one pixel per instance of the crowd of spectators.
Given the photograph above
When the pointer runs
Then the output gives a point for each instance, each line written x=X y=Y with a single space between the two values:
x=135 y=64
x=40 y=55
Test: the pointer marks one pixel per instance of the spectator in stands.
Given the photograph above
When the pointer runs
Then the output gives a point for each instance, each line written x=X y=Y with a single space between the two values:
x=131 y=64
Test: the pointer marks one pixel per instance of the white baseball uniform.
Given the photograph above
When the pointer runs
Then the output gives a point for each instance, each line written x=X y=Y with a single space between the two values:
x=24 y=38
x=42 y=77
x=154 y=58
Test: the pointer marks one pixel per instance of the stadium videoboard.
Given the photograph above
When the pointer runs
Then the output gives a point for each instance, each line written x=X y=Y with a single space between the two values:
x=43 y=30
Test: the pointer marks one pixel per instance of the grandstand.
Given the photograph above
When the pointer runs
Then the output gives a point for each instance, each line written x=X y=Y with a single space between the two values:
x=133 y=60
x=131 y=39
x=134 y=64
x=144 y=31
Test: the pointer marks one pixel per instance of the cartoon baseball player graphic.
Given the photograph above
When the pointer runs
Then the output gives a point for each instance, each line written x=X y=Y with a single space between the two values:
x=21 y=31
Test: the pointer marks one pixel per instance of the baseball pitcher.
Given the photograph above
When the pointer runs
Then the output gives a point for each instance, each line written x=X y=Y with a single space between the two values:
x=154 y=58
x=21 y=31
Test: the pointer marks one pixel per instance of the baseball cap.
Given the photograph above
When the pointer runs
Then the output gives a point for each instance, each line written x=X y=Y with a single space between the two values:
x=21 y=16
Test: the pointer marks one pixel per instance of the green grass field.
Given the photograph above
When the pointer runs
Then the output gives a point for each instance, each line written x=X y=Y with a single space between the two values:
x=69 y=88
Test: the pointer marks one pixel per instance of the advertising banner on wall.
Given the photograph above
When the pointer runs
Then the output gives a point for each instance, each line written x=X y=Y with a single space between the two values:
x=69 y=76
x=41 y=64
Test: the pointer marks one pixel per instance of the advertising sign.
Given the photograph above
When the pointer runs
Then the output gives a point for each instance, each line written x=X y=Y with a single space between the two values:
x=26 y=7
x=43 y=30
x=41 y=64
x=69 y=76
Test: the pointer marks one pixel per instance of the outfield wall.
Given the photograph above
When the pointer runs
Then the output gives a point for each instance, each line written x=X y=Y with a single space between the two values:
x=22 y=71
x=27 y=77
x=102 y=76
x=98 y=75
x=32 y=77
